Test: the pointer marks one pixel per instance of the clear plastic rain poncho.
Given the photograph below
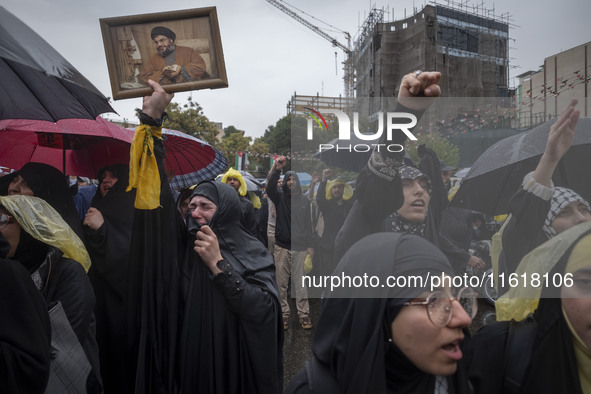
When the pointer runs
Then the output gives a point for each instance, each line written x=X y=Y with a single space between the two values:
x=521 y=300
x=45 y=224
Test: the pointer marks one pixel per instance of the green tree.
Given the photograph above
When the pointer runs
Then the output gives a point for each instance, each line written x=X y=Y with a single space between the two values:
x=444 y=149
x=278 y=137
x=258 y=157
x=234 y=143
x=189 y=119
x=290 y=133
x=230 y=130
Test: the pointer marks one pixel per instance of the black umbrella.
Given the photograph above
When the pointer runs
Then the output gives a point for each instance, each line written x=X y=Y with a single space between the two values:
x=498 y=173
x=36 y=82
x=255 y=184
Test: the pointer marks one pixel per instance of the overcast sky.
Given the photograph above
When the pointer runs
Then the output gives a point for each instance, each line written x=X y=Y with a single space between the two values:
x=269 y=55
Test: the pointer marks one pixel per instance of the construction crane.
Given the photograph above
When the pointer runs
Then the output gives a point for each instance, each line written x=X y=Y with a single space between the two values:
x=349 y=77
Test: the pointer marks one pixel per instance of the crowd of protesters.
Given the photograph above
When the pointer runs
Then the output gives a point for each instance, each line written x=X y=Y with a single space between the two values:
x=187 y=291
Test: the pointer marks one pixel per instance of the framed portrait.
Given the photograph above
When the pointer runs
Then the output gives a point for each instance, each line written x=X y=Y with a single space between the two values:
x=181 y=50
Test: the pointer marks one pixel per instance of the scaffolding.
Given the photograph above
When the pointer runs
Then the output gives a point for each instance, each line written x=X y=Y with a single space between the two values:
x=468 y=44
x=298 y=103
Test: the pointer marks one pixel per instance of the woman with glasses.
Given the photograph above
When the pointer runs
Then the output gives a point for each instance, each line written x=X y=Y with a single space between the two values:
x=390 y=327
x=552 y=351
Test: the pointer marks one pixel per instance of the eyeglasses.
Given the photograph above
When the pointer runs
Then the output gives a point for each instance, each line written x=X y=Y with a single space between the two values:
x=5 y=219
x=440 y=309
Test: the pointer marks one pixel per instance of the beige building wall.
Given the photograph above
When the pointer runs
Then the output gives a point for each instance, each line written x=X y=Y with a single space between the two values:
x=546 y=93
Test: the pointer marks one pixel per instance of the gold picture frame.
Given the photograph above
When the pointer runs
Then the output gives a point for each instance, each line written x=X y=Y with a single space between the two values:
x=148 y=46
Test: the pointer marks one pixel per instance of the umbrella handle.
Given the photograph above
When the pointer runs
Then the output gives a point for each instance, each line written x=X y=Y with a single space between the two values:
x=64 y=144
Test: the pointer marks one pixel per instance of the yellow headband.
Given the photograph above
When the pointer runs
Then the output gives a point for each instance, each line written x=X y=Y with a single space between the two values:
x=347 y=191
x=232 y=173
x=580 y=257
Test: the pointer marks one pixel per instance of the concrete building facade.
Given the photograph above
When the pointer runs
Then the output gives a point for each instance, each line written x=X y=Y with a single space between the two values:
x=470 y=50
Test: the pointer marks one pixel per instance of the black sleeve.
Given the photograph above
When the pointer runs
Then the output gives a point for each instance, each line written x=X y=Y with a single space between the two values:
x=272 y=192
x=524 y=229
x=485 y=357
x=99 y=244
x=250 y=221
x=321 y=197
x=263 y=219
x=310 y=237
x=457 y=257
x=431 y=166
x=248 y=300
x=72 y=287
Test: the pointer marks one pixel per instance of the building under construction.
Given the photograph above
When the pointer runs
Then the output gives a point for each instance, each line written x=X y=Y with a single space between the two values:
x=468 y=48
x=468 y=45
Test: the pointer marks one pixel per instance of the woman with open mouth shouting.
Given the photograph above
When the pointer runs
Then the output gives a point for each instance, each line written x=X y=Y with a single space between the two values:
x=391 y=333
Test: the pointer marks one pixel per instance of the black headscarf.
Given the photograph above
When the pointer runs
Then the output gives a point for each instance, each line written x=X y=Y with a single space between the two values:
x=398 y=224
x=431 y=166
x=246 y=254
x=232 y=339
x=121 y=172
x=50 y=184
x=352 y=334
x=297 y=187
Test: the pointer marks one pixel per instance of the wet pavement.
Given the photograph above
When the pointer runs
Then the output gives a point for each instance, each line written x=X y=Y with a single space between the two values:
x=297 y=344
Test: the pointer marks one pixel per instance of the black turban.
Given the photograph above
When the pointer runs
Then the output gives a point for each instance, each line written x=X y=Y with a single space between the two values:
x=163 y=31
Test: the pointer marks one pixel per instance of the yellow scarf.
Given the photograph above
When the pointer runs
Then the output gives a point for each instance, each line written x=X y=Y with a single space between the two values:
x=232 y=173
x=522 y=300
x=579 y=259
x=347 y=191
x=143 y=168
x=255 y=200
x=583 y=356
